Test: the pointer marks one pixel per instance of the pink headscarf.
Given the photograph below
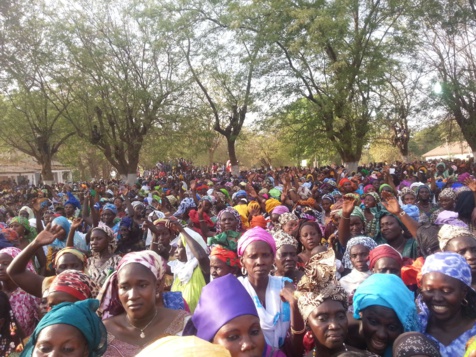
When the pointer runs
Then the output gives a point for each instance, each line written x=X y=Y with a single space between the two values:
x=280 y=210
x=253 y=235
x=14 y=252
x=109 y=297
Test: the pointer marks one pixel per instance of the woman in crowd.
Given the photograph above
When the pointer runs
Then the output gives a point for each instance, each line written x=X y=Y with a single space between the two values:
x=384 y=259
x=133 y=318
x=286 y=257
x=272 y=295
x=11 y=337
x=371 y=200
x=310 y=236
x=415 y=344
x=71 y=329
x=237 y=327
x=129 y=237
x=326 y=203
x=228 y=229
x=24 y=305
x=386 y=309
x=223 y=262
x=352 y=222
x=447 y=303
x=289 y=223
x=356 y=257
x=424 y=204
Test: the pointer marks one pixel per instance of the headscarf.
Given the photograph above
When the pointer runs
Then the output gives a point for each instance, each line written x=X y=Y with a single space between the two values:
x=258 y=221
x=82 y=315
x=179 y=346
x=63 y=223
x=253 y=235
x=184 y=205
x=74 y=283
x=254 y=205
x=387 y=290
x=363 y=240
x=373 y=194
x=449 y=264
x=110 y=207
x=69 y=250
x=30 y=212
x=282 y=238
x=234 y=212
x=448 y=193
x=465 y=204
x=126 y=221
x=412 y=211
x=356 y=212
x=9 y=234
x=72 y=200
x=13 y=252
x=227 y=256
x=367 y=188
x=287 y=217
x=218 y=295
x=329 y=198
x=382 y=186
x=30 y=231
x=451 y=218
x=384 y=251
x=319 y=284
x=448 y=232
x=280 y=210
x=275 y=193
x=271 y=204
x=109 y=296
x=415 y=344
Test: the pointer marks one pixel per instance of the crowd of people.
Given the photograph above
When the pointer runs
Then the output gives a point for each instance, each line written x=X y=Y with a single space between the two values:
x=278 y=262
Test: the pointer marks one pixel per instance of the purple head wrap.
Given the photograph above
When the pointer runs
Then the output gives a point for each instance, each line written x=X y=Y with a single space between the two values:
x=280 y=210
x=463 y=177
x=253 y=235
x=451 y=218
x=450 y=264
x=227 y=295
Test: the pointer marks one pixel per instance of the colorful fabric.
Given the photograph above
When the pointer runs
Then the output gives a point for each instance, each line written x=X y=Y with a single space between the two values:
x=414 y=344
x=387 y=290
x=356 y=212
x=380 y=189
x=282 y=238
x=234 y=212
x=30 y=231
x=174 y=300
x=76 y=284
x=319 y=284
x=228 y=257
x=411 y=274
x=184 y=205
x=287 y=217
x=363 y=240
x=109 y=297
x=253 y=235
x=451 y=218
x=448 y=232
x=412 y=211
x=228 y=240
x=81 y=315
x=384 y=251
x=280 y=210
x=80 y=255
x=110 y=207
x=373 y=194
x=100 y=273
x=330 y=198
x=448 y=193
x=258 y=221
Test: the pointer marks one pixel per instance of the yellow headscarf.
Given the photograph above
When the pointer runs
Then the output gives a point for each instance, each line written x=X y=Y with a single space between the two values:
x=271 y=204
x=189 y=346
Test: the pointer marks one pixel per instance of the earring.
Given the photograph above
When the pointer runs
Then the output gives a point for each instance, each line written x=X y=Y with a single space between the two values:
x=466 y=303
x=243 y=271
x=308 y=341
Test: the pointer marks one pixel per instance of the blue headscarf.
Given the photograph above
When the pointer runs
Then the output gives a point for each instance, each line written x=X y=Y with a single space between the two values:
x=110 y=207
x=63 y=223
x=82 y=315
x=72 y=201
x=387 y=290
x=450 y=264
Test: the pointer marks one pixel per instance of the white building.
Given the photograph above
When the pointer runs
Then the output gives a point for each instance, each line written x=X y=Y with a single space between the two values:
x=457 y=150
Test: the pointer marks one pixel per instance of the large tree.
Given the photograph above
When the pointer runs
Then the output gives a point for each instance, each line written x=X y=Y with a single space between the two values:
x=123 y=76
x=448 y=46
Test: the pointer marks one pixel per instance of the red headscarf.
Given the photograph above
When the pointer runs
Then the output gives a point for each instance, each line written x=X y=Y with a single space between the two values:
x=258 y=221
x=384 y=251
x=226 y=256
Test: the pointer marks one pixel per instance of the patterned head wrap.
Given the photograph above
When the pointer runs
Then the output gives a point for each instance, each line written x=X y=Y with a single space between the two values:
x=234 y=212
x=407 y=191
x=253 y=235
x=282 y=238
x=13 y=252
x=109 y=296
x=384 y=251
x=271 y=204
x=374 y=195
x=227 y=256
x=69 y=250
x=448 y=232
x=82 y=315
x=30 y=231
x=287 y=217
x=109 y=234
x=319 y=284
x=186 y=204
x=449 y=264
x=448 y=193
x=411 y=344
x=9 y=234
x=110 y=207
x=74 y=283
x=363 y=240
x=328 y=197
x=356 y=212
x=389 y=291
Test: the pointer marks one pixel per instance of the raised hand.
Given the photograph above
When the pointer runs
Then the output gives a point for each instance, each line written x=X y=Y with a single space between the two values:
x=390 y=202
x=76 y=223
x=348 y=205
x=471 y=183
x=48 y=235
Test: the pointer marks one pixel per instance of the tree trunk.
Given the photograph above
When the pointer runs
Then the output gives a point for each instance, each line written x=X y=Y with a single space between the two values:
x=351 y=166
x=46 y=173
x=404 y=158
x=235 y=169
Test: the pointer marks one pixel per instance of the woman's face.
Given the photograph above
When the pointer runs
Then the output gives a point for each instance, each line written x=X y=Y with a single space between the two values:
x=242 y=337
x=380 y=326
x=356 y=226
x=107 y=217
x=69 y=261
x=387 y=265
x=369 y=201
x=326 y=205
x=443 y=295
x=291 y=227
x=409 y=199
x=118 y=203
x=124 y=232
x=24 y=214
x=219 y=268
x=180 y=252
x=60 y=340
x=99 y=241
x=465 y=246
x=17 y=227
x=424 y=194
x=69 y=210
x=309 y=237
x=48 y=218
x=359 y=256
x=5 y=261
x=328 y=323
x=390 y=228
x=163 y=235
x=137 y=290
x=347 y=187
x=286 y=259
x=258 y=259
x=228 y=222
x=446 y=203
x=376 y=184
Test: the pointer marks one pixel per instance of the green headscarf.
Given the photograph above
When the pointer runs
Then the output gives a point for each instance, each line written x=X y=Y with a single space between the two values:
x=275 y=193
x=30 y=231
x=357 y=212
x=82 y=315
x=382 y=186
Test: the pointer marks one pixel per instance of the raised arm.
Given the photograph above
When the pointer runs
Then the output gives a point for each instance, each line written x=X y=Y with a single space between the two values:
x=348 y=205
x=390 y=202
